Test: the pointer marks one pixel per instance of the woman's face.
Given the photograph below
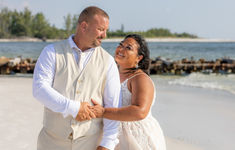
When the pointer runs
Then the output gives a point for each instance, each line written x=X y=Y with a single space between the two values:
x=126 y=54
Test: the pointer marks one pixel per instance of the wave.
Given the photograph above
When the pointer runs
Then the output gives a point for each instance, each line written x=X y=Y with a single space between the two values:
x=210 y=81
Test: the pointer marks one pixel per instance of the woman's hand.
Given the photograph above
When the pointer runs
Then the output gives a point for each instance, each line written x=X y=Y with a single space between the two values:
x=97 y=109
x=84 y=112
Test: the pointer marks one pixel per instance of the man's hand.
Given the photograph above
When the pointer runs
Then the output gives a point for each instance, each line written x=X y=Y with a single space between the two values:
x=101 y=148
x=97 y=109
x=84 y=112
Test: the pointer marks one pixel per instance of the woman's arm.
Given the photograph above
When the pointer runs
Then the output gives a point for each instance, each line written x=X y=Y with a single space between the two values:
x=142 y=91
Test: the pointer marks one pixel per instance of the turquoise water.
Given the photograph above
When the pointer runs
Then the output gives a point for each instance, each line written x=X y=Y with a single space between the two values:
x=172 y=50
x=179 y=50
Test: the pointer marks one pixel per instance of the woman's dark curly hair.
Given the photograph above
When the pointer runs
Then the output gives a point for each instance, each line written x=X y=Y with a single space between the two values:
x=143 y=50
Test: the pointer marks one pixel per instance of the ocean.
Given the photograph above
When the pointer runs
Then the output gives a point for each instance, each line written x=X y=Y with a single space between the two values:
x=167 y=50
x=171 y=50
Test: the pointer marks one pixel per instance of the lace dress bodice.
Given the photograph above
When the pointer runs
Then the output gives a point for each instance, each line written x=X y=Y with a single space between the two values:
x=126 y=94
x=144 y=134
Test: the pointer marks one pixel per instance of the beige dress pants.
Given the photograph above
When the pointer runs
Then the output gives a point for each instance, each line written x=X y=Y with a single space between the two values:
x=49 y=141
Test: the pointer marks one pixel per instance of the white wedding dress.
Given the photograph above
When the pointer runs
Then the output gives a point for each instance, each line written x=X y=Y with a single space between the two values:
x=145 y=134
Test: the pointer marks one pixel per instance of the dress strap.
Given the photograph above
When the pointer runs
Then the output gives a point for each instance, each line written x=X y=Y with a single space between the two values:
x=139 y=74
x=125 y=81
x=135 y=75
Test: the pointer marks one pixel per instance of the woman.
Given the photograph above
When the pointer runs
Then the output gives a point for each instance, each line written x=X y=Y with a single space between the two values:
x=139 y=130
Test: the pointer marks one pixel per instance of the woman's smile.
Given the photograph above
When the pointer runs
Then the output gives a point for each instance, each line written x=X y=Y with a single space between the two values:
x=120 y=54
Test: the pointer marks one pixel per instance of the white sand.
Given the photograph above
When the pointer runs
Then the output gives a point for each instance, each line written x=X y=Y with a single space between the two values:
x=20 y=114
x=21 y=40
x=192 y=120
x=196 y=116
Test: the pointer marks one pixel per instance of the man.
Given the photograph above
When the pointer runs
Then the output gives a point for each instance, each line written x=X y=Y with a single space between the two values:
x=70 y=73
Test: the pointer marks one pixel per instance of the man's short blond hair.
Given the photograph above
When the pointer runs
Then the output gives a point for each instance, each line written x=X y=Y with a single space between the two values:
x=89 y=12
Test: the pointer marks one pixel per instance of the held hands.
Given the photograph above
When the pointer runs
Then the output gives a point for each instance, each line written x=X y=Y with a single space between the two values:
x=88 y=112
x=84 y=112
x=97 y=109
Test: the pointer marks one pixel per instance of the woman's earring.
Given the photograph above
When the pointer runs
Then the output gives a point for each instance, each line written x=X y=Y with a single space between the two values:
x=137 y=66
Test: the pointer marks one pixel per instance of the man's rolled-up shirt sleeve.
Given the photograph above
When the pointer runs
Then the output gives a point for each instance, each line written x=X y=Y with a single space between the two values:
x=111 y=99
x=42 y=85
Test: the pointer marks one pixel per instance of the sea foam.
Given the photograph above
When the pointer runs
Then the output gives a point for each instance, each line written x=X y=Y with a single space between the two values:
x=210 y=81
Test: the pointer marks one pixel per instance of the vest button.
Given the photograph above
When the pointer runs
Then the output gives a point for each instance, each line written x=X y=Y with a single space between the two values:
x=79 y=81
x=78 y=92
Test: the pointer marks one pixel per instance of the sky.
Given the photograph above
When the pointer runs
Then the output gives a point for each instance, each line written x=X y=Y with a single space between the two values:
x=212 y=19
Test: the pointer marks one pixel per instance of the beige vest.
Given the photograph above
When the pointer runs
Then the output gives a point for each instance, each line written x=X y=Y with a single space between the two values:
x=78 y=86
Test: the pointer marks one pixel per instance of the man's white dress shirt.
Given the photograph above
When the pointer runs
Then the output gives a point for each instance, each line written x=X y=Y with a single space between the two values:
x=43 y=91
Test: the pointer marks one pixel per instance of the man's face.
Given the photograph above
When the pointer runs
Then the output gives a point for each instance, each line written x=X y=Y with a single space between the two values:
x=96 y=30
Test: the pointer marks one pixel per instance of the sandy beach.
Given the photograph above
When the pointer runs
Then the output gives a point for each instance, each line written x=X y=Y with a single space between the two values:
x=28 y=39
x=191 y=118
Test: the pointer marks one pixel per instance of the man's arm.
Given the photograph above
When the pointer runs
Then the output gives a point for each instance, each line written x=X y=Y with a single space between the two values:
x=42 y=86
x=111 y=99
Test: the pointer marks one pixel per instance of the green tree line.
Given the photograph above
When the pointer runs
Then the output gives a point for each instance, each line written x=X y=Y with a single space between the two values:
x=14 y=24
x=24 y=24
x=151 y=33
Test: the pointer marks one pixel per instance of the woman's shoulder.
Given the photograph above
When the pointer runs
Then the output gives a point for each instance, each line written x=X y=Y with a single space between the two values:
x=140 y=77
x=140 y=80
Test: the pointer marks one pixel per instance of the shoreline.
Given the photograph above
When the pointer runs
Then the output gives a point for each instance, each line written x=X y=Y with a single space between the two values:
x=28 y=40
x=120 y=39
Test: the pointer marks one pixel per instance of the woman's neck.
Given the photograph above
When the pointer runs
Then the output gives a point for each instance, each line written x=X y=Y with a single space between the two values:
x=123 y=70
x=126 y=73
